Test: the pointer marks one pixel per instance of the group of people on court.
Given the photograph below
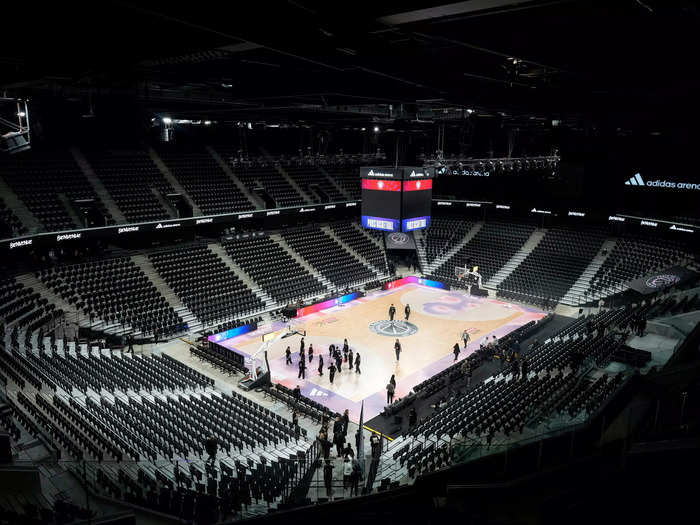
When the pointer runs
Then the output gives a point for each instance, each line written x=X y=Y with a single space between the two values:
x=406 y=311
x=336 y=357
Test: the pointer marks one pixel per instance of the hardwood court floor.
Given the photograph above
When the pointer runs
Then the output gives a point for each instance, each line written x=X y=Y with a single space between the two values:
x=439 y=315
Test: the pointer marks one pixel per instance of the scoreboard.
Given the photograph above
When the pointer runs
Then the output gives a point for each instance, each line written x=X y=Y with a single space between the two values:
x=396 y=198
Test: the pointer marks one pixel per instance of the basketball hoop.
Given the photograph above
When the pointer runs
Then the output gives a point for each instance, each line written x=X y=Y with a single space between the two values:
x=463 y=271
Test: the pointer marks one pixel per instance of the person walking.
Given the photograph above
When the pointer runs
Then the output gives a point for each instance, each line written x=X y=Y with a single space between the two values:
x=328 y=478
x=311 y=352
x=338 y=362
x=320 y=365
x=301 y=346
x=331 y=372
x=347 y=473
x=357 y=364
x=355 y=477
x=392 y=312
x=465 y=337
x=338 y=436
x=345 y=420
x=455 y=350
x=302 y=369
x=397 y=349
x=350 y=359
x=407 y=311
x=374 y=444
x=288 y=354
x=346 y=346
x=390 y=389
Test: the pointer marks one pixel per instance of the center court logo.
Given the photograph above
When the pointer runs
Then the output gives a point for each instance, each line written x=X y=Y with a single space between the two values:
x=637 y=180
x=393 y=329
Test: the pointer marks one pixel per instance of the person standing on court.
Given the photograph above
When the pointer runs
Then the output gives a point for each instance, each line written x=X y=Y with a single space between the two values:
x=331 y=372
x=455 y=351
x=357 y=364
x=301 y=346
x=350 y=356
x=320 y=365
x=407 y=311
x=465 y=337
x=390 y=389
x=346 y=346
x=338 y=361
x=397 y=349
x=392 y=312
x=288 y=354
x=311 y=352
x=302 y=368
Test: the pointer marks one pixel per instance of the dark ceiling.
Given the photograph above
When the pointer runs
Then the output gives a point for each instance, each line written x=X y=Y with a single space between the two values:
x=570 y=60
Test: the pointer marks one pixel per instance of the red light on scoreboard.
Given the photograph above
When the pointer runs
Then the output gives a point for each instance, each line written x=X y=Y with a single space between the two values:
x=381 y=185
x=417 y=185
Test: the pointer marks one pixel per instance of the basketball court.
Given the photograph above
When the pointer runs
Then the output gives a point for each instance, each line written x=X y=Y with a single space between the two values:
x=437 y=320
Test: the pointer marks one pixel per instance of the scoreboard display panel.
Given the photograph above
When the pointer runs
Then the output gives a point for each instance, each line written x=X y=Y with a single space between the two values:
x=396 y=198
x=381 y=199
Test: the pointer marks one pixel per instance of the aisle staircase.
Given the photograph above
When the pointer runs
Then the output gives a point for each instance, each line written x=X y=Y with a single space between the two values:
x=378 y=273
x=260 y=293
x=378 y=241
x=97 y=185
x=286 y=177
x=168 y=175
x=576 y=293
x=13 y=202
x=303 y=262
x=439 y=261
x=419 y=238
x=509 y=267
x=255 y=201
x=143 y=262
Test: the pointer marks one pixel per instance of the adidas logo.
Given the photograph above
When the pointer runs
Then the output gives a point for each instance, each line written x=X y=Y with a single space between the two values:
x=635 y=181
x=372 y=173
x=638 y=181
x=317 y=393
x=678 y=228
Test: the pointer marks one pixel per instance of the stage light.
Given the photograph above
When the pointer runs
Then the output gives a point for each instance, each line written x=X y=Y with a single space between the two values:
x=167 y=120
x=470 y=111
x=207 y=122
x=376 y=129
x=21 y=114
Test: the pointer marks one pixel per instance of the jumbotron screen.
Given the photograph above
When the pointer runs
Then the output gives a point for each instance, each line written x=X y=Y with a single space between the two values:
x=396 y=199
x=417 y=198
x=381 y=199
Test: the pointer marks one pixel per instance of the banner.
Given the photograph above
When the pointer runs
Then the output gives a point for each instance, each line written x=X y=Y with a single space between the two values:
x=399 y=241
x=662 y=279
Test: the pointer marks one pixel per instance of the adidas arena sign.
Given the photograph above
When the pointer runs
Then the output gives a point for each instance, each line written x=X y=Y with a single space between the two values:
x=637 y=180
